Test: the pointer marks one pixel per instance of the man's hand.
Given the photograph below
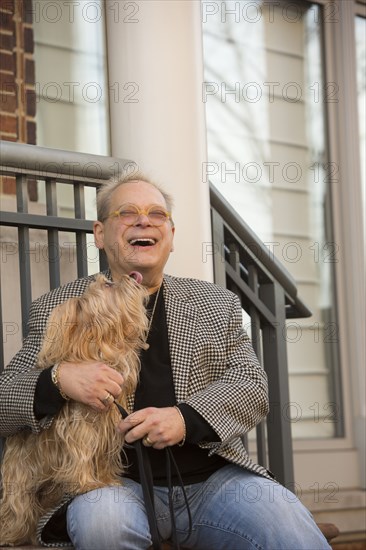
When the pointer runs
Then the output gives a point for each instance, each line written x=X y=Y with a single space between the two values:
x=162 y=427
x=90 y=383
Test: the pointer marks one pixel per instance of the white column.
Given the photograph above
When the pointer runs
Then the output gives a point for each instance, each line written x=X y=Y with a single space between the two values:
x=155 y=64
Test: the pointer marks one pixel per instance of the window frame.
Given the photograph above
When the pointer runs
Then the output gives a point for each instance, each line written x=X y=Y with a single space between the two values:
x=342 y=142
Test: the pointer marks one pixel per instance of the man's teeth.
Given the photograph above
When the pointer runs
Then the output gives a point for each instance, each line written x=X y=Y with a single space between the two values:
x=142 y=242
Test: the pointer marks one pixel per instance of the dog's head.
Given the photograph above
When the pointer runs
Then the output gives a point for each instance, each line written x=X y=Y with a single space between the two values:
x=104 y=324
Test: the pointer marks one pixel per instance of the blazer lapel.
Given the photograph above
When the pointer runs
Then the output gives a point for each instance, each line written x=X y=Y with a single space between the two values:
x=181 y=317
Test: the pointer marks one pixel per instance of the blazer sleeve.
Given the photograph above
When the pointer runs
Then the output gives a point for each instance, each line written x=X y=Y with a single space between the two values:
x=19 y=379
x=236 y=398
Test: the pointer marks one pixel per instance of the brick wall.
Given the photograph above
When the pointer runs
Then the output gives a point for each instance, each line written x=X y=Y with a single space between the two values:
x=17 y=80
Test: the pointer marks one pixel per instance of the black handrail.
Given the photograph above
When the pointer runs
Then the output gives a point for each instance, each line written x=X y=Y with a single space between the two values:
x=259 y=250
x=268 y=293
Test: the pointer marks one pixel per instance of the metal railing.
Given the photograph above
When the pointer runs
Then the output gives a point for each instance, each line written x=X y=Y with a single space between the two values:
x=268 y=293
x=29 y=162
x=242 y=263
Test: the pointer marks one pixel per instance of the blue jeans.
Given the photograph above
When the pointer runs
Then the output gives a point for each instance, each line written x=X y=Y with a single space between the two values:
x=233 y=510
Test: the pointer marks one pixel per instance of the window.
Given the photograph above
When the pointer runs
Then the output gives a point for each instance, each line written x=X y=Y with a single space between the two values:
x=71 y=79
x=72 y=91
x=265 y=99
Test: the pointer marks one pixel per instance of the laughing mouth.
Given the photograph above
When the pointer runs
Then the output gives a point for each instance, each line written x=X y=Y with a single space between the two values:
x=142 y=242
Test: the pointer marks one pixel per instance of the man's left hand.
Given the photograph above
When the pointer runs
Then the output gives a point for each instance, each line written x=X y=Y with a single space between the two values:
x=158 y=427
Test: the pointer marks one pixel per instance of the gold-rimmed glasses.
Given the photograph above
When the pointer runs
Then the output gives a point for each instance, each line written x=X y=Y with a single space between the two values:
x=130 y=213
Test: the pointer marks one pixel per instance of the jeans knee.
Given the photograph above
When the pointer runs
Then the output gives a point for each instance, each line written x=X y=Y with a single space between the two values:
x=105 y=519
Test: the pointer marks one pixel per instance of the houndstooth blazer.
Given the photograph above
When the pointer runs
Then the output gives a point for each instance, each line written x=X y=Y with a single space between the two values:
x=215 y=369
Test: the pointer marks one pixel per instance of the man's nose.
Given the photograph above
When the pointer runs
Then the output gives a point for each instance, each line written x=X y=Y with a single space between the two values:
x=142 y=219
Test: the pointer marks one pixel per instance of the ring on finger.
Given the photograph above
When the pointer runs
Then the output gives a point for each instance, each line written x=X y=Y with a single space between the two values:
x=147 y=441
x=108 y=399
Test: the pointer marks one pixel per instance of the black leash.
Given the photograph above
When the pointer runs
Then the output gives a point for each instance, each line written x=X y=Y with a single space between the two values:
x=170 y=458
x=147 y=484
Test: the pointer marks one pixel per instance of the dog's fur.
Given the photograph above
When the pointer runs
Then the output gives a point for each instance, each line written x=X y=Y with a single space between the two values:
x=81 y=450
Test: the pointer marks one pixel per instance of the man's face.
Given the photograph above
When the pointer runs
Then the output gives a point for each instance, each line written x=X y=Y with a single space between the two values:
x=142 y=246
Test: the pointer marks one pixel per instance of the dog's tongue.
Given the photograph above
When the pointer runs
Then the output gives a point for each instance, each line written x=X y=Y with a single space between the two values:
x=137 y=276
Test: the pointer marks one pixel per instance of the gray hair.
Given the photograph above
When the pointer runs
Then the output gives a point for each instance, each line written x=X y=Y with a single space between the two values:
x=106 y=190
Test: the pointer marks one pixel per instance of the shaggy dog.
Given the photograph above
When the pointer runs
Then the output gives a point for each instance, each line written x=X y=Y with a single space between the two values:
x=81 y=450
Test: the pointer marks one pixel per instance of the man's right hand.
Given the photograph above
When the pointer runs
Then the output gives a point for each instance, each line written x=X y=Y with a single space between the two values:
x=90 y=383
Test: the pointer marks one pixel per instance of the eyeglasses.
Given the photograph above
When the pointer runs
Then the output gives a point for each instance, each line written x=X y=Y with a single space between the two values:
x=129 y=214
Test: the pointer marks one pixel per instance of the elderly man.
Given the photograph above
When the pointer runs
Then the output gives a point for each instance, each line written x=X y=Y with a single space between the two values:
x=201 y=388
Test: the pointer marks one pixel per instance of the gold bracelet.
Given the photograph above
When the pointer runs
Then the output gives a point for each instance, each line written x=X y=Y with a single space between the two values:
x=55 y=373
x=184 y=426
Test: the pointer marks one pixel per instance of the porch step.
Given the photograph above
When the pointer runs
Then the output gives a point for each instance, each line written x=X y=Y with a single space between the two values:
x=346 y=509
x=360 y=545
x=350 y=541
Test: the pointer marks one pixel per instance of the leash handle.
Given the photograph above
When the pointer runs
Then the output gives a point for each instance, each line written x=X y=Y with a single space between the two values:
x=147 y=485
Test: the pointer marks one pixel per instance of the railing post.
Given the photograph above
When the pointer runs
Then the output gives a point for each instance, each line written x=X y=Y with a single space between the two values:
x=24 y=253
x=81 y=243
x=275 y=364
x=256 y=342
x=53 y=234
x=218 y=248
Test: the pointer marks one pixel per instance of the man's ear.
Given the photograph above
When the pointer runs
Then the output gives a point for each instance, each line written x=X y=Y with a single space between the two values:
x=173 y=231
x=98 y=230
